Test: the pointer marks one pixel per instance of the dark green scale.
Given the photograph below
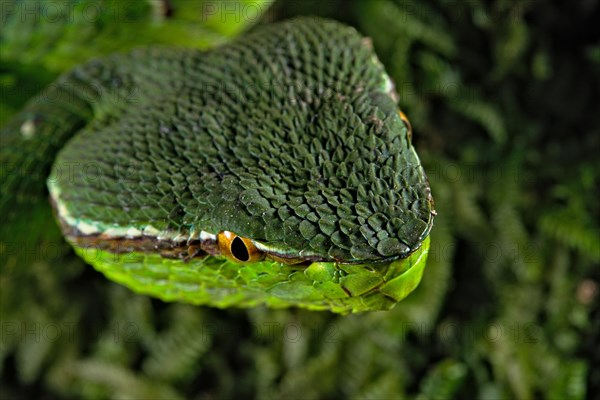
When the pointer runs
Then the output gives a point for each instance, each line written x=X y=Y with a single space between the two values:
x=289 y=136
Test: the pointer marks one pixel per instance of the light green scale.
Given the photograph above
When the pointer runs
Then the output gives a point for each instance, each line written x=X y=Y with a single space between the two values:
x=222 y=283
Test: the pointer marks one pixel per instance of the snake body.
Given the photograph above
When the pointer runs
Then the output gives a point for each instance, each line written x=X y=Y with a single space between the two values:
x=276 y=169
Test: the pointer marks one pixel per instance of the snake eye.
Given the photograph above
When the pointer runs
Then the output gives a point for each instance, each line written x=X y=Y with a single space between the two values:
x=404 y=119
x=237 y=248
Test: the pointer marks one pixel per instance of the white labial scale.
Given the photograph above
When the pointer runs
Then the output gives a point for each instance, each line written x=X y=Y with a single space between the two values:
x=168 y=235
x=205 y=236
x=149 y=230
x=133 y=232
x=117 y=231
x=85 y=228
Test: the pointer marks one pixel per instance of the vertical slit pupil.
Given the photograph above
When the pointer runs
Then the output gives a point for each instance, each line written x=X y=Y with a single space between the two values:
x=239 y=250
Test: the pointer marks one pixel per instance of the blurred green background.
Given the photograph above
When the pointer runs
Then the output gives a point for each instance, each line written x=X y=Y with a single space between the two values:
x=504 y=99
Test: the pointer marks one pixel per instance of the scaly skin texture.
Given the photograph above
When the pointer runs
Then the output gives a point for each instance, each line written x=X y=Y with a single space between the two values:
x=289 y=136
x=221 y=283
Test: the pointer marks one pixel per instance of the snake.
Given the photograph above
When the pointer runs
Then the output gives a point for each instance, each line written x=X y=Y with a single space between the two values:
x=276 y=170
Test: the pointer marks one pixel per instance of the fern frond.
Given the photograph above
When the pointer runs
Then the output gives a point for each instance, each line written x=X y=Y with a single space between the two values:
x=443 y=380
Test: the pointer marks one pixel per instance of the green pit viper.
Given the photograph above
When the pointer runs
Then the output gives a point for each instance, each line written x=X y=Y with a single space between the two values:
x=276 y=169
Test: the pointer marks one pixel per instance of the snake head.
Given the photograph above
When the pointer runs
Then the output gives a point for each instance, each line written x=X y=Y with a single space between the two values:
x=295 y=142
x=287 y=143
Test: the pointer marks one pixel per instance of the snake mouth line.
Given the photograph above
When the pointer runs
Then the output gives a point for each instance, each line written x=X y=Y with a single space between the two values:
x=185 y=251
x=185 y=247
x=182 y=251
